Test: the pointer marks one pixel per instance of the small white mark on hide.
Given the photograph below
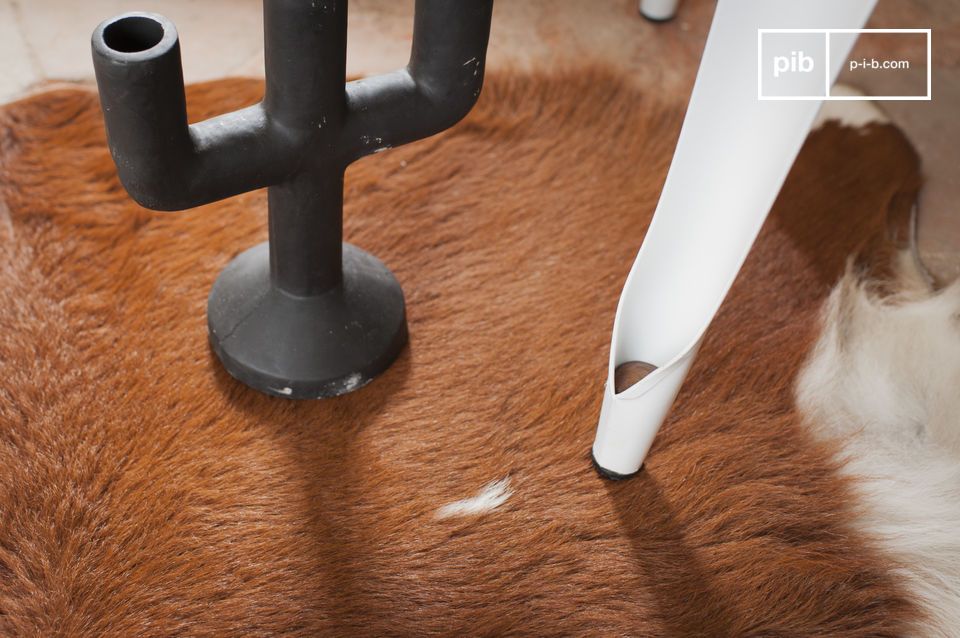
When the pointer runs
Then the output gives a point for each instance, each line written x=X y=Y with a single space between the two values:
x=852 y=113
x=490 y=497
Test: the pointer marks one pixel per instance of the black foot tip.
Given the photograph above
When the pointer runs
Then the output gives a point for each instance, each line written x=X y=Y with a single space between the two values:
x=610 y=474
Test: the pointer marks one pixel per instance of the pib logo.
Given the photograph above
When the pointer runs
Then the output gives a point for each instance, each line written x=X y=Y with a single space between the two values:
x=796 y=62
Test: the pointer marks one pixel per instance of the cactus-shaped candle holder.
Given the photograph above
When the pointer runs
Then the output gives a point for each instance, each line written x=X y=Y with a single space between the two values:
x=303 y=315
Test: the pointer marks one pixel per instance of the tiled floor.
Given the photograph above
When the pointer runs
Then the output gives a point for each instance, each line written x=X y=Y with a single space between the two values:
x=49 y=40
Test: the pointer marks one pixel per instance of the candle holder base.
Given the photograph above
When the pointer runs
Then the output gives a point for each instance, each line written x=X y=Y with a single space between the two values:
x=306 y=347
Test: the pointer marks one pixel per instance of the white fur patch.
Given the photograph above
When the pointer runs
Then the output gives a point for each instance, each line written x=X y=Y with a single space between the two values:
x=884 y=380
x=491 y=496
x=855 y=113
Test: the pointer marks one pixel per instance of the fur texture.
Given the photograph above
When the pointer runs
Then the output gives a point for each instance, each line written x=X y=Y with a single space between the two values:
x=883 y=382
x=145 y=492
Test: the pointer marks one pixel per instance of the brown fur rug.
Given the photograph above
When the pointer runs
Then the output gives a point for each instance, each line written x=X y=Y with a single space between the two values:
x=144 y=492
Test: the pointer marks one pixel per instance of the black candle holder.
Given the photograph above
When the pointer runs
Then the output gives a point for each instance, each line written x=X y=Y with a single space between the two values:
x=303 y=315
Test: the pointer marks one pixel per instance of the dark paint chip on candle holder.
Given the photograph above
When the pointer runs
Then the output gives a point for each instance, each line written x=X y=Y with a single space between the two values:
x=303 y=315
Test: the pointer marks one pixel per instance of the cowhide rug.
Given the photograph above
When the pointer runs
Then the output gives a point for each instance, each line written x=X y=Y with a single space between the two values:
x=806 y=483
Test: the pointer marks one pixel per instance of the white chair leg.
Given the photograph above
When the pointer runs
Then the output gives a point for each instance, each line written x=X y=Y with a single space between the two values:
x=658 y=10
x=733 y=154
